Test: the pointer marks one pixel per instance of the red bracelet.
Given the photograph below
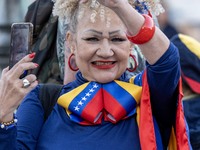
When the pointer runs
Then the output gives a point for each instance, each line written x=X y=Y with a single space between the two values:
x=146 y=32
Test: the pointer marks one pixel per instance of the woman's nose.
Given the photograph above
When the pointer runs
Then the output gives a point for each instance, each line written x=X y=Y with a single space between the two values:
x=105 y=50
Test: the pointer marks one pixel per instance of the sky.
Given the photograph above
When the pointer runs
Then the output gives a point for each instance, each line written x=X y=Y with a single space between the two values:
x=184 y=11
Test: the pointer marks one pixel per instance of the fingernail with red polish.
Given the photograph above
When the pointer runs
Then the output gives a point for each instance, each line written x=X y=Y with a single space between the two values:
x=36 y=65
x=32 y=55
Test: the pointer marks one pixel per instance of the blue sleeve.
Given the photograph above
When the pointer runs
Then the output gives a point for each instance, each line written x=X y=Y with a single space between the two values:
x=8 y=138
x=163 y=78
x=30 y=116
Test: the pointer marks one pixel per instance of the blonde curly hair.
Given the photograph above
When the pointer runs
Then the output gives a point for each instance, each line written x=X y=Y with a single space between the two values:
x=70 y=10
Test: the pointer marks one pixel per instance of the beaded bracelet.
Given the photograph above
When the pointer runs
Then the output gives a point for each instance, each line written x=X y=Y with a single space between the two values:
x=10 y=124
x=146 y=32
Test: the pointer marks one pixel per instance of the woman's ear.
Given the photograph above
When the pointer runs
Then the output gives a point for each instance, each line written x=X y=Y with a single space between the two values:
x=69 y=40
x=131 y=47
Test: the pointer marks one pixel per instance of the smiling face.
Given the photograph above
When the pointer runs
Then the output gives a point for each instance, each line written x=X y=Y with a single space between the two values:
x=101 y=52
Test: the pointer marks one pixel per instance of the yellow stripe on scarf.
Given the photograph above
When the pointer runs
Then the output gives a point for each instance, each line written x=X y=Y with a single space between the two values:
x=131 y=80
x=66 y=99
x=172 y=141
x=136 y=93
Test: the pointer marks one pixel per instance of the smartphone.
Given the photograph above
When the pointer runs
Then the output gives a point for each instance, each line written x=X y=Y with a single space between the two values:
x=20 y=43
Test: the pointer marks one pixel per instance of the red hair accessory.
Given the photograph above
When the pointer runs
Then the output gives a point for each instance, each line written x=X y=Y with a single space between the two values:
x=146 y=32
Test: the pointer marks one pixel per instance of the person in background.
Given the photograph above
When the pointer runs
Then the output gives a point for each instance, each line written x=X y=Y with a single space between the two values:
x=189 y=50
x=165 y=24
x=103 y=108
x=45 y=35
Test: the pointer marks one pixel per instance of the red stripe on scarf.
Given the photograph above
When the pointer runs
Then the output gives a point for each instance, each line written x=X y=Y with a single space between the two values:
x=181 y=132
x=146 y=126
x=113 y=107
x=93 y=108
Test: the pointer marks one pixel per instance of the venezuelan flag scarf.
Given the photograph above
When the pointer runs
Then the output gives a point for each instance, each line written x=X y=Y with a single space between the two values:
x=117 y=100
x=88 y=103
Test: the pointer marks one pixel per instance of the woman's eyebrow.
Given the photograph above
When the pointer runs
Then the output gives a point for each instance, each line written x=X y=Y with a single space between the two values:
x=114 y=32
x=100 y=33
x=95 y=31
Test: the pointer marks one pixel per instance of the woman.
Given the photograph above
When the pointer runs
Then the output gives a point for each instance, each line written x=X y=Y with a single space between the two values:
x=100 y=109
x=189 y=51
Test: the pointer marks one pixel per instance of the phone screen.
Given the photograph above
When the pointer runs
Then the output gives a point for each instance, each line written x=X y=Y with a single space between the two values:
x=20 y=42
x=21 y=38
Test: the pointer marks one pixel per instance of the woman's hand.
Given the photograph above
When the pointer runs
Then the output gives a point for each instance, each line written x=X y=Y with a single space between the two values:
x=11 y=87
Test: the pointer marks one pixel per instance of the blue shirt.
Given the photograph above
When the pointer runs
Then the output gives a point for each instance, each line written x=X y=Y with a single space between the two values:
x=192 y=115
x=59 y=133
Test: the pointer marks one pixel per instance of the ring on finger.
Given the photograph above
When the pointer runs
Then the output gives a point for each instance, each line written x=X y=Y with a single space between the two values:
x=26 y=83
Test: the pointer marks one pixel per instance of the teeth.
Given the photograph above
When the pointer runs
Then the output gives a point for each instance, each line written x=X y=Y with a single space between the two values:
x=103 y=63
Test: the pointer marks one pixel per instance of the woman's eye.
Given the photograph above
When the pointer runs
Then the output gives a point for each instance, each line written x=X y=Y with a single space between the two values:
x=91 y=39
x=118 y=39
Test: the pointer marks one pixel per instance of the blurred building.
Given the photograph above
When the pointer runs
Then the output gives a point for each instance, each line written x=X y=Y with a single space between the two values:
x=10 y=11
x=185 y=16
